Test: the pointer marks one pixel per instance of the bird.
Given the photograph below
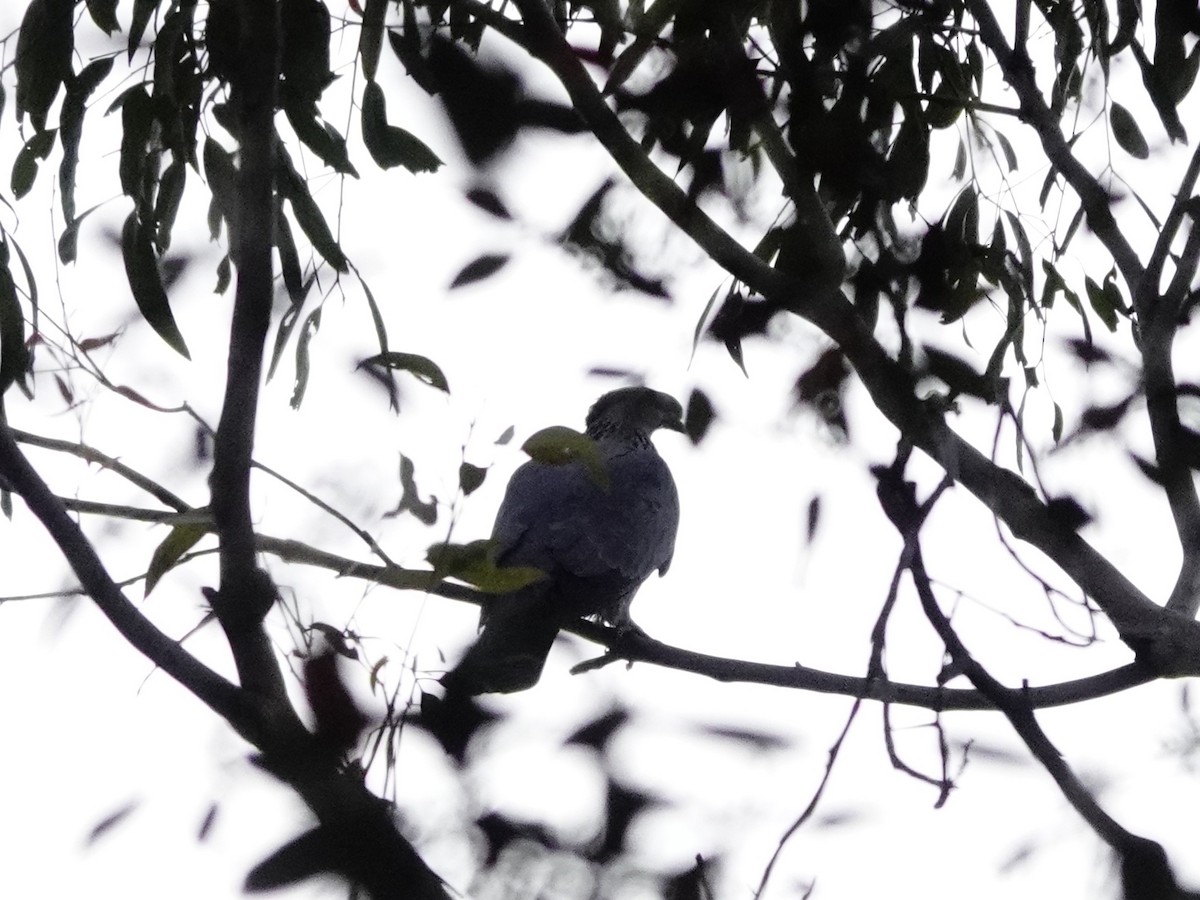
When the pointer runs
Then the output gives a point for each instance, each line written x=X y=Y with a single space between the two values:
x=595 y=538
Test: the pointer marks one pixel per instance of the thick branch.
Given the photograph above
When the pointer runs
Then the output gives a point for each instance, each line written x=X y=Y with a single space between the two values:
x=246 y=593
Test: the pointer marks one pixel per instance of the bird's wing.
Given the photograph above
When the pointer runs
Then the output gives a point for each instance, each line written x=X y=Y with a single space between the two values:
x=557 y=518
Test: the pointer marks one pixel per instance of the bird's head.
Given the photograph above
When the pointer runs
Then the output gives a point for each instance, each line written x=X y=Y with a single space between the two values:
x=633 y=412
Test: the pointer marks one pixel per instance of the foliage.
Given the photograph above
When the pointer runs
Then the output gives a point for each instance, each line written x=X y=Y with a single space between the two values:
x=847 y=115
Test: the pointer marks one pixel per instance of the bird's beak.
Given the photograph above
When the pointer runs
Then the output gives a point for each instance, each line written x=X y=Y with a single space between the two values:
x=675 y=424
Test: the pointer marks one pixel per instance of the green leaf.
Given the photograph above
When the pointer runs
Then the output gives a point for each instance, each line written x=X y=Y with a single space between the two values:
x=142 y=11
x=1125 y=130
x=141 y=268
x=388 y=145
x=44 y=48
x=370 y=40
x=559 y=445
x=181 y=539
x=25 y=168
x=475 y=564
x=422 y=367
x=478 y=269
x=14 y=355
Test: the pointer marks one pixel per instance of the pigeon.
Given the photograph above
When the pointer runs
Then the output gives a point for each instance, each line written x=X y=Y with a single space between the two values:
x=595 y=537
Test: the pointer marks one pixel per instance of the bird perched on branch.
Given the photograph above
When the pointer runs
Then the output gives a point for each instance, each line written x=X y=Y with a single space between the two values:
x=597 y=525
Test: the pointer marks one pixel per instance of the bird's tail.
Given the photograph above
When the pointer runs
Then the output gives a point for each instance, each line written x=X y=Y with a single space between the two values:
x=517 y=635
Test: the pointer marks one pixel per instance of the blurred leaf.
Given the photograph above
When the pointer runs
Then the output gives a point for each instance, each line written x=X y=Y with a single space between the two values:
x=104 y=14
x=1126 y=131
x=145 y=281
x=388 y=145
x=206 y=824
x=25 y=168
x=44 y=47
x=1068 y=512
x=422 y=367
x=812 y=519
x=506 y=436
x=470 y=477
x=111 y=821
x=597 y=733
x=489 y=202
x=181 y=539
x=310 y=854
x=700 y=415
x=480 y=268
x=962 y=377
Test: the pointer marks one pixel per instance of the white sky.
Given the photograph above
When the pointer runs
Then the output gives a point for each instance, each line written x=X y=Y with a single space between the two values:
x=93 y=728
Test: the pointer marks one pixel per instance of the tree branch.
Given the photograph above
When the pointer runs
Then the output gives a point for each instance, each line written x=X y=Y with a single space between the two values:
x=1018 y=72
x=1169 y=643
x=210 y=688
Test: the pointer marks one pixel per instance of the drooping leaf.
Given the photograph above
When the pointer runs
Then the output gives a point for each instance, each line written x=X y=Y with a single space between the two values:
x=370 y=40
x=137 y=124
x=1126 y=131
x=222 y=182
x=294 y=189
x=166 y=206
x=69 y=240
x=479 y=268
x=300 y=384
x=321 y=138
x=224 y=275
x=304 y=65
x=25 y=168
x=181 y=539
x=289 y=259
x=142 y=11
x=422 y=367
x=141 y=268
x=79 y=88
x=44 y=47
x=14 y=355
x=388 y=145
x=104 y=14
